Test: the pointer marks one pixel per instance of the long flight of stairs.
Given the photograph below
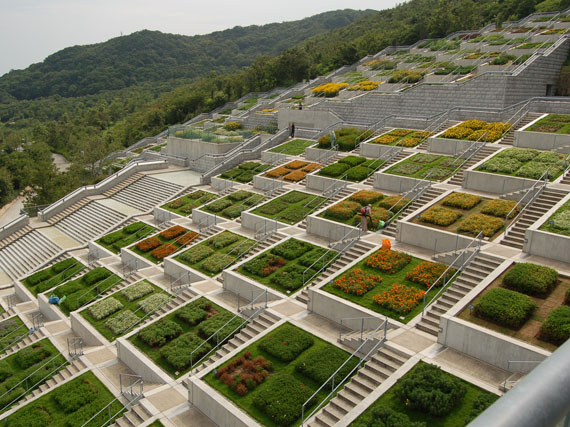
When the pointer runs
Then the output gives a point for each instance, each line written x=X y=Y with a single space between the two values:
x=547 y=198
x=479 y=268
x=345 y=192
x=146 y=192
x=123 y=184
x=509 y=138
x=484 y=152
x=68 y=211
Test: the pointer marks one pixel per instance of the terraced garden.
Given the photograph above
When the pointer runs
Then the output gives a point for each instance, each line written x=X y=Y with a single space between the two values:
x=125 y=236
x=525 y=163
x=184 y=205
x=167 y=242
x=293 y=148
x=233 y=204
x=12 y=330
x=407 y=138
x=552 y=123
x=290 y=208
x=294 y=171
x=346 y=138
x=352 y=168
x=52 y=276
x=476 y=130
x=245 y=172
x=559 y=222
x=422 y=165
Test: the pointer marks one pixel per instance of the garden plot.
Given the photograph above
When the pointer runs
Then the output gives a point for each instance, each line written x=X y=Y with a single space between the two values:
x=72 y=403
x=274 y=376
x=347 y=211
x=293 y=171
x=469 y=214
x=288 y=266
x=125 y=236
x=290 y=208
x=12 y=330
x=244 y=173
x=552 y=123
x=118 y=313
x=180 y=339
x=184 y=205
x=352 y=168
x=233 y=204
x=167 y=242
x=82 y=291
x=52 y=276
x=439 y=168
x=475 y=130
x=230 y=132
x=525 y=163
x=346 y=138
x=559 y=222
x=293 y=148
x=37 y=360
x=216 y=253
x=389 y=282
x=529 y=302
x=412 y=402
x=407 y=138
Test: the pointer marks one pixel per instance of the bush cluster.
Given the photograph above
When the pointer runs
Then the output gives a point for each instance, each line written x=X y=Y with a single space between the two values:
x=178 y=352
x=292 y=277
x=136 y=291
x=500 y=208
x=83 y=393
x=197 y=254
x=556 y=327
x=428 y=272
x=209 y=327
x=217 y=262
x=357 y=282
x=159 y=333
x=105 y=308
x=399 y=298
x=531 y=279
x=476 y=223
x=320 y=364
x=505 y=307
x=122 y=321
x=153 y=303
x=173 y=232
x=344 y=210
x=244 y=374
x=388 y=261
x=286 y=343
x=461 y=200
x=384 y=416
x=292 y=249
x=440 y=215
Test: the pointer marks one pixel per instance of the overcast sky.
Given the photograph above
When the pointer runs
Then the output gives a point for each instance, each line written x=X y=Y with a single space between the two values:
x=30 y=30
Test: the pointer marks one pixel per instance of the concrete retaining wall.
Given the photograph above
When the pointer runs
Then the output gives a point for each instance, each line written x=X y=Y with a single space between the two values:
x=321 y=183
x=430 y=238
x=306 y=118
x=314 y=154
x=195 y=148
x=204 y=218
x=163 y=215
x=494 y=183
x=50 y=311
x=548 y=245
x=133 y=260
x=448 y=146
x=176 y=269
x=249 y=221
x=368 y=149
x=266 y=184
x=221 y=184
x=140 y=363
x=394 y=183
x=14 y=226
x=326 y=228
x=246 y=287
x=83 y=328
x=542 y=141
x=273 y=158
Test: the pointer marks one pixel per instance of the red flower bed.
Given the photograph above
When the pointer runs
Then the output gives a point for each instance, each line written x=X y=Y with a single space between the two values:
x=357 y=282
x=187 y=238
x=399 y=298
x=428 y=272
x=163 y=251
x=173 y=232
x=388 y=261
x=244 y=373
x=148 y=244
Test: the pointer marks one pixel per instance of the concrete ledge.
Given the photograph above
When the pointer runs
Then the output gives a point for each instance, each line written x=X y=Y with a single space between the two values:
x=204 y=218
x=395 y=183
x=321 y=183
x=195 y=148
x=447 y=145
x=244 y=286
x=82 y=328
x=97 y=251
x=542 y=140
x=14 y=226
x=264 y=184
x=50 y=311
x=176 y=269
x=493 y=182
x=430 y=238
x=269 y=157
x=221 y=184
x=22 y=292
x=326 y=228
x=249 y=221
x=315 y=154
x=369 y=149
x=133 y=260
x=140 y=363
x=163 y=215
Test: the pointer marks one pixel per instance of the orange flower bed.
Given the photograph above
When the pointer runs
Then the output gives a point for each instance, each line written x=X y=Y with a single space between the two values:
x=428 y=272
x=388 y=261
x=399 y=298
x=296 y=164
x=188 y=238
x=163 y=251
x=244 y=374
x=365 y=197
x=357 y=282
x=312 y=167
x=277 y=172
x=148 y=244
x=295 y=176
x=173 y=232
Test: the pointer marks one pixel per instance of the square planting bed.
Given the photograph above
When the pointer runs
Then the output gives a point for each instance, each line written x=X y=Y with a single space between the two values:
x=244 y=173
x=184 y=205
x=119 y=313
x=233 y=204
x=473 y=130
x=125 y=236
x=559 y=222
x=468 y=214
x=273 y=377
x=420 y=165
x=288 y=266
x=293 y=148
x=179 y=340
x=552 y=123
x=290 y=208
x=216 y=253
x=293 y=171
x=389 y=282
x=352 y=168
x=346 y=138
x=12 y=330
x=412 y=400
x=167 y=242
x=525 y=163
x=71 y=404
x=403 y=137
x=52 y=276
x=529 y=302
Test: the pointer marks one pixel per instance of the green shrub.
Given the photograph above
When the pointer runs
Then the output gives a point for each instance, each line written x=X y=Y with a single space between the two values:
x=71 y=399
x=191 y=314
x=209 y=327
x=274 y=207
x=292 y=249
x=291 y=277
x=111 y=238
x=309 y=258
x=38 y=277
x=68 y=288
x=501 y=165
x=239 y=195
x=249 y=165
x=219 y=205
x=294 y=197
x=406 y=168
x=567 y=297
x=178 y=353
x=159 y=333
x=217 y=262
x=535 y=170
x=153 y=302
x=520 y=154
x=357 y=173
x=5 y=371
x=286 y=343
x=352 y=160
x=384 y=416
x=31 y=355
x=197 y=254
x=320 y=364
x=430 y=390
x=480 y=403
x=461 y=200
x=64 y=265
x=293 y=216
x=556 y=327
x=136 y=291
x=264 y=265
x=476 y=223
x=244 y=177
x=96 y=275
x=31 y=416
x=343 y=210
x=531 y=279
x=505 y=307
x=234 y=211
x=134 y=227
x=105 y=308
x=334 y=170
x=222 y=240
x=425 y=158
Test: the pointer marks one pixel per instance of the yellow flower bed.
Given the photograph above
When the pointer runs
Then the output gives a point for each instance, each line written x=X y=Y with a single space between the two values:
x=232 y=126
x=386 y=139
x=473 y=130
x=329 y=89
x=365 y=85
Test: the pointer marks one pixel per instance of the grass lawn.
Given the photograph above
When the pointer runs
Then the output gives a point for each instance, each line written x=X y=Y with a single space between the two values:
x=184 y=205
x=73 y=403
x=216 y=253
x=553 y=123
x=244 y=173
x=52 y=276
x=157 y=247
x=27 y=361
x=559 y=222
x=125 y=236
x=290 y=208
x=123 y=318
x=525 y=163
x=457 y=416
x=403 y=137
x=211 y=314
x=294 y=171
x=12 y=330
x=233 y=204
x=287 y=401
x=293 y=148
x=352 y=168
x=419 y=165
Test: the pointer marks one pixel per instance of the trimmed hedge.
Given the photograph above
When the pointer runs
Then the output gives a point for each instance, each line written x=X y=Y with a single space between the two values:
x=320 y=364
x=291 y=249
x=159 y=333
x=556 y=328
x=179 y=351
x=286 y=343
x=505 y=307
x=531 y=279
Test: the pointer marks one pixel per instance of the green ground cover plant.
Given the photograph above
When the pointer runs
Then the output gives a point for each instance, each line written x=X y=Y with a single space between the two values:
x=552 y=123
x=125 y=309
x=287 y=265
x=346 y=138
x=184 y=205
x=351 y=168
x=12 y=330
x=52 y=276
x=216 y=253
x=422 y=392
x=421 y=165
x=125 y=236
x=167 y=242
x=525 y=163
x=233 y=204
x=298 y=367
x=180 y=339
x=556 y=328
x=505 y=307
x=291 y=207
x=71 y=404
x=402 y=137
x=28 y=361
x=559 y=222
x=293 y=148
x=83 y=290
x=244 y=173
x=531 y=279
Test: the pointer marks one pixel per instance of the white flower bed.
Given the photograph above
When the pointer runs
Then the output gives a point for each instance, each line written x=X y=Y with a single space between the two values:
x=105 y=308
x=122 y=321
x=153 y=302
x=138 y=290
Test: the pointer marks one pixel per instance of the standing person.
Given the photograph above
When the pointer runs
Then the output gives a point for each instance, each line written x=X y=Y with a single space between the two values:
x=292 y=130
x=300 y=105
x=363 y=219
x=368 y=214
x=333 y=140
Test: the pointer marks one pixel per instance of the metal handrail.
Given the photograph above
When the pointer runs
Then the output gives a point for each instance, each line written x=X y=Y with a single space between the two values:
x=62 y=274
x=128 y=273
x=414 y=189
x=258 y=235
x=443 y=276
x=509 y=373
x=362 y=319
x=99 y=293
x=107 y=407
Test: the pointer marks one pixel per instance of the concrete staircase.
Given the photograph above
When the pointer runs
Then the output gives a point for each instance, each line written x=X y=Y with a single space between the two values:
x=423 y=200
x=445 y=125
x=566 y=178
x=68 y=211
x=135 y=416
x=89 y=221
x=345 y=192
x=547 y=198
x=124 y=184
x=26 y=253
x=146 y=192
x=401 y=156
x=375 y=371
x=36 y=336
x=180 y=299
x=484 y=152
x=15 y=236
x=481 y=266
x=378 y=132
x=509 y=138
x=356 y=251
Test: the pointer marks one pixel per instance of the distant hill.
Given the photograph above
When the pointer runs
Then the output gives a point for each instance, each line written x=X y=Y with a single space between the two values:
x=148 y=56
